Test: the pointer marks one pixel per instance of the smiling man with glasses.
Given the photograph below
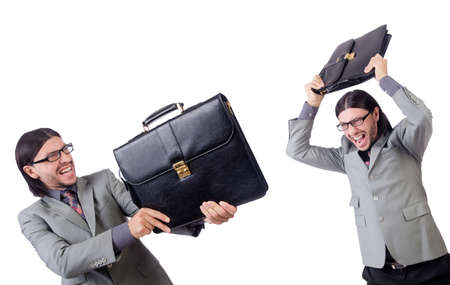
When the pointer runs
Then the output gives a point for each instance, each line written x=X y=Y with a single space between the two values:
x=79 y=227
x=399 y=240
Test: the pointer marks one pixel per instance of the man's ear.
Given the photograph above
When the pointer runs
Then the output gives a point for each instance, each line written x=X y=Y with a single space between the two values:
x=31 y=171
x=376 y=113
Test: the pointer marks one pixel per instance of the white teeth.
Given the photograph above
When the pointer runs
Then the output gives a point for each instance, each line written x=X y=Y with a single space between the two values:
x=357 y=138
x=65 y=170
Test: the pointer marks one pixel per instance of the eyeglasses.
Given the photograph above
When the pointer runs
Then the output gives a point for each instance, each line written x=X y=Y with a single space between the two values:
x=55 y=155
x=355 y=123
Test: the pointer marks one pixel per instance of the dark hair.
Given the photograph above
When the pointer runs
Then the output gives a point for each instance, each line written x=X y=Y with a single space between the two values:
x=27 y=148
x=361 y=99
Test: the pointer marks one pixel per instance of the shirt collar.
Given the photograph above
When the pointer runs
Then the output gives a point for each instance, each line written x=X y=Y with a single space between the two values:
x=56 y=194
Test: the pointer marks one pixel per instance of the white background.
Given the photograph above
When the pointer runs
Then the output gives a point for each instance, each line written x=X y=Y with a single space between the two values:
x=93 y=70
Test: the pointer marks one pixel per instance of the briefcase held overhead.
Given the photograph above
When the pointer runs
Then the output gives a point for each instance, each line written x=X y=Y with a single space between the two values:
x=345 y=67
x=199 y=155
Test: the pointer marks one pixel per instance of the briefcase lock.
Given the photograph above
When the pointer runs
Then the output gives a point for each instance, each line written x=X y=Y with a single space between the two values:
x=349 y=56
x=182 y=169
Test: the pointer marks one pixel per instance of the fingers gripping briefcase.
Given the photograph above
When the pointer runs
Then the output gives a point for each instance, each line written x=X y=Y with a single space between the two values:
x=199 y=155
x=346 y=66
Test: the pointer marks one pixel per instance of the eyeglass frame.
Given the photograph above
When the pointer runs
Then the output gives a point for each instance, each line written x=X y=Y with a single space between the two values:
x=57 y=152
x=353 y=121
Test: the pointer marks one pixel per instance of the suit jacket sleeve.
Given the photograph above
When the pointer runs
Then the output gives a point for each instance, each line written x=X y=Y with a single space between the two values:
x=66 y=260
x=123 y=198
x=299 y=148
x=121 y=195
x=415 y=130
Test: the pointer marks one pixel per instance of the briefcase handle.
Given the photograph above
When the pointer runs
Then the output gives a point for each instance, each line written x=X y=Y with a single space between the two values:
x=161 y=112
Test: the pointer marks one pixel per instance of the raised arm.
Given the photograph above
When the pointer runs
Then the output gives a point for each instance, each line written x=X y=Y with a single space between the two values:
x=300 y=129
x=414 y=132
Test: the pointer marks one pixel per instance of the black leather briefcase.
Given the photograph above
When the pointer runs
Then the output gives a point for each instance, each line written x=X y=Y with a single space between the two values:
x=346 y=66
x=199 y=155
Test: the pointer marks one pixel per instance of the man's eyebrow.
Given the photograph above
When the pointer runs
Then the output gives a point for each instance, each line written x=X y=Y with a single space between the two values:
x=53 y=151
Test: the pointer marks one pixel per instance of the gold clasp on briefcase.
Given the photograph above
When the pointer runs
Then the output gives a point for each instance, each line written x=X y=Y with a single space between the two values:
x=180 y=107
x=182 y=169
x=229 y=107
x=349 y=56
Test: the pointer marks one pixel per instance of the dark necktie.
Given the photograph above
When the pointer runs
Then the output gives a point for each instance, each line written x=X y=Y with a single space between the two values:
x=365 y=156
x=368 y=161
x=70 y=198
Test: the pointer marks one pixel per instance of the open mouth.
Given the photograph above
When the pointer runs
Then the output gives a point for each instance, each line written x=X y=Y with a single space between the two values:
x=359 y=140
x=66 y=170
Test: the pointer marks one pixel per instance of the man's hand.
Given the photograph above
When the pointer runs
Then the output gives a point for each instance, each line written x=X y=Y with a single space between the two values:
x=313 y=98
x=380 y=65
x=145 y=220
x=217 y=213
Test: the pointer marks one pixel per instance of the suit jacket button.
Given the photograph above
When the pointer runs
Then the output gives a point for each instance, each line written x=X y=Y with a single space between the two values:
x=380 y=219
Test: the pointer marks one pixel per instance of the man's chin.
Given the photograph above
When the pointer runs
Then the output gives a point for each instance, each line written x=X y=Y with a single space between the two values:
x=69 y=183
x=361 y=148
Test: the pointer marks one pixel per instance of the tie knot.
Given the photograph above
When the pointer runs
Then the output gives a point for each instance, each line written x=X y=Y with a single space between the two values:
x=70 y=198
x=67 y=193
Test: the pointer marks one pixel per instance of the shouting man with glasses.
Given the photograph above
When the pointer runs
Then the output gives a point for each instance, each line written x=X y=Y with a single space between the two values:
x=399 y=240
x=79 y=227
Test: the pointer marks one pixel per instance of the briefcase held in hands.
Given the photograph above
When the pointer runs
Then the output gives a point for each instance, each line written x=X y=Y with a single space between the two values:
x=345 y=68
x=199 y=155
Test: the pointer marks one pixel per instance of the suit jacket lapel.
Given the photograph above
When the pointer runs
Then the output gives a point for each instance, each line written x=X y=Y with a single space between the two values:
x=376 y=149
x=86 y=196
x=67 y=212
x=374 y=153
x=357 y=159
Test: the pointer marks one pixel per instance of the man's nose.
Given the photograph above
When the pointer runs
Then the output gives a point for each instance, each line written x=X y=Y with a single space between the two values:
x=352 y=130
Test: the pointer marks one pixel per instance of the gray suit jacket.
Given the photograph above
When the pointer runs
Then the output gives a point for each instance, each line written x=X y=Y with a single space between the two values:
x=388 y=197
x=82 y=252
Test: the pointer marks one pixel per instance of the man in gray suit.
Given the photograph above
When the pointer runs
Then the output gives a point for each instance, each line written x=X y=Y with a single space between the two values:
x=79 y=227
x=399 y=240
